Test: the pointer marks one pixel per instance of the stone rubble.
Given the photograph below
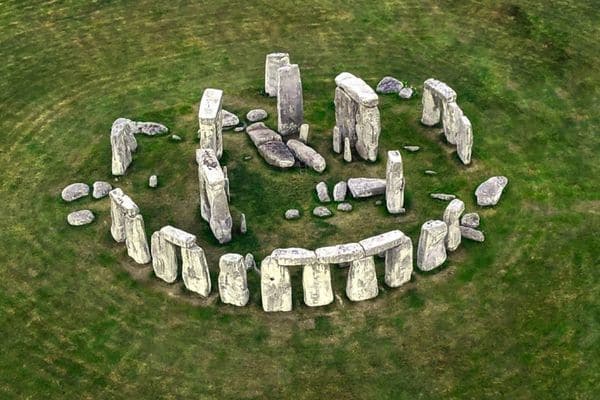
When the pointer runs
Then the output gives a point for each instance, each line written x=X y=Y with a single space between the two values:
x=406 y=93
x=293 y=256
x=412 y=149
x=148 y=128
x=210 y=121
x=164 y=257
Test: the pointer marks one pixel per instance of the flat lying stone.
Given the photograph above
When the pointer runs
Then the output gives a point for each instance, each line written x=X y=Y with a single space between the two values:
x=488 y=193
x=176 y=138
x=412 y=149
x=81 y=217
x=366 y=187
x=293 y=256
x=148 y=128
x=430 y=172
x=442 y=196
x=470 y=220
x=101 y=189
x=277 y=154
x=292 y=214
x=357 y=89
x=307 y=155
x=177 y=236
x=339 y=191
x=321 y=212
x=340 y=253
x=260 y=134
x=382 y=242
x=75 y=191
x=472 y=234
x=229 y=119
x=345 y=207
x=389 y=85
x=431 y=252
x=256 y=115
x=322 y=192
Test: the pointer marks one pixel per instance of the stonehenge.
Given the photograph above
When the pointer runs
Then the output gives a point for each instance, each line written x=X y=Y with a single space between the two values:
x=431 y=252
x=439 y=105
x=233 y=282
x=127 y=225
x=356 y=116
x=290 y=106
x=273 y=62
x=452 y=219
x=214 y=205
x=210 y=121
x=394 y=183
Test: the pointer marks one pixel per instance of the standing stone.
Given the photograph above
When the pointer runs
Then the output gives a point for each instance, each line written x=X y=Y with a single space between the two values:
x=249 y=262
x=488 y=193
x=435 y=94
x=399 y=263
x=243 y=227
x=394 y=183
x=273 y=62
x=362 y=280
x=322 y=192
x=464 y=140
x=470 y=220
x=135 y=239
x=316 y=284
x=275 y=286
x=233 y=284
x=451 y=120
x=210 y=120
x=452 y=218
x=432 y=249
x=339 y=191
x=292 y=213
x=304 y=128
x=229 y=119
x=194 y=270
x=307 y=155
x=337 y=140
x=122 y=143
x=347 y=150
x=153 y=181
x=101 y=189
x=121 y=206
x=290 y=108
x=226 y=179
x=164 y=257
x=75 y=191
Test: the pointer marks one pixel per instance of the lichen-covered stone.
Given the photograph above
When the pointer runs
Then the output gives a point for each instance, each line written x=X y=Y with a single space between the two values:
x=164 y=258
x=339 y=191
x=210 y=121
x=122 y=143
x=229 y=119
x=321 y=212
x=379 y=243
x=292 y=214
x=307 y=155
x=389 y=85
x=399 y=263
x=472 y=234
x=431 y=252
x=347 y=150
x=260 y=134
x=275 y=286
x=290 y=105
x=316 y=284
x=135 y=239
x=361 y=283
x=256 y=115
x=442 y=196
x=452 y=219
x=464 y=140
x=178 y=237
x=233 y=283
x=337 y=140
x=345 y=207
x=488 y=193
x=194 y=270
x=277 y=154
x=322 y=192
x=470 y=220
x=75 y=191
x=101 y=189
x=339 y=253
x=153 y=181
x=148 y=128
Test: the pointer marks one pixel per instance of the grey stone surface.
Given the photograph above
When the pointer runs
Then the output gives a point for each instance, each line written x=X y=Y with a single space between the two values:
x=316 y=284
x=249 y=262
x=431 y=252
x=194 y=270
x=339 y=191
x=430 y=172
x=452 y=219
x=272 y=63
x=472 y=234
x=293 y=256
x=239 y=128
x=379 y=243
x=488 y=193
x=229 y=119
x=243 y=226
x=368 y=128
x=121 y=206
x=277 y=154
x=210 y=121
x=442 y=196
x=256 y=115
x=303 y=135
x=464 y=140
x=81 y=217
x=399 y=263
x=233 y=283
x=307 y=155
x=347 y=150
x=337 y=140
x=275 y=286
x=176 y=138
x=101 y=189
x=389 y=85
x=122 y=143
x=340 y=253
x=412 y=149
x=470 y=220
x=345 y=207
x=394 y=183
x=148 y=128
x=292 y=214
x=322 y=192
x=75 y=191
x=290 y=105
x=178 y=236
x=366 y=187
x=164 y=258
x=406 y=93
x=135 y=239
x=153 y=181
x=321 y=212
x=361 y=283
x=435 y=94
x=260 y=134
x=357 y=89
x=451 y=119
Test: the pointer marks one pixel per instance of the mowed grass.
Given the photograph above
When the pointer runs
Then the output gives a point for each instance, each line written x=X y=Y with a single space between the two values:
x=515 y=317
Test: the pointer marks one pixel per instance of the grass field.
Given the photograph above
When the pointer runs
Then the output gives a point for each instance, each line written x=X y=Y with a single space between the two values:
x=517 y=317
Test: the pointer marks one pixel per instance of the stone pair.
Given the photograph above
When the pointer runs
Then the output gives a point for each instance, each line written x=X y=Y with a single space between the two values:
x=127 y=225
x=282 y=80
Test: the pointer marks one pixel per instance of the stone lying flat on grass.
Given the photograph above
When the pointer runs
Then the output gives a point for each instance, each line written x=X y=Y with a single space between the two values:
x=339 y=191
x=389 y=85
x=229 y=119
x=81 y=217
x=322 y=192
x=472 y=234
x=293 y=256
x=488 y=193
x=256 y=115
x=307 y=155
x=346 y=207
x=383 y=242
x=470 y=220
x=292 y=214
x=277 y=154
x=442 y=196
x=101 y=189
x=406 y=93
x=148 y=128
x=340 y=253
x=366 y=187
x=176 y=138
x=260 y=134
x=249 y=262
x=412 y=149
x=430 y=172
x=153 y=181
x=321 y=212
x=75 y=191
x=275 y=286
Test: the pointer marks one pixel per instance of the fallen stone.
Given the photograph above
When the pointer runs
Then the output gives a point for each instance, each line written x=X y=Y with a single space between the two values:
x=345 y=207
x=293 y=256
x=75 y=191
x=339 y=191
x=406 y=93
x=292 y=214
x=366 y=187
x=321 y=212
x=275 y=286
x=149 y=128
x=451 y=218
x=430 y=172
x=81 y=217
x=431 y=252
x=361 y=283
x=307 y=155
x=260 y=134
x=340 y=253
x=178 y=237
x=153 y=181
x=233 y=283
x=322 y=192
x=389 y=85
x=229 y=119
x=470 y=220
x=256 y=115
x=277 y=154
x=442 y=196
x=412 y=149
x=316 y=284
x=378 y=202
x=101 y=189
x=164 y=258
x=290 y=105
x=382 y=242
x=488 y=193
x=176 y=138
x=272 y=63
x=472 y=234
x=194 y=270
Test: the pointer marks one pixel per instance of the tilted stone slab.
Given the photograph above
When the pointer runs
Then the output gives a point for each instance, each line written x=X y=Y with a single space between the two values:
x=366 y=187
x=178 y=237
x=275 y=286
x=382 y=242
x=432 y=249
x=316 y=284
x=399 y=263
x=394 y=179
x=164 y=258
x=290 y=105
x=361 y=283
x=260 y=134
x=357 y=89
x=307 y=155
x=273 y=62
x=210 y=121
x=194 y=270
x=340 y=253
x=233 y=283
x=293 y=256
x=339 y=191
x=135 y=239
x=277 y=154
x=452 y=219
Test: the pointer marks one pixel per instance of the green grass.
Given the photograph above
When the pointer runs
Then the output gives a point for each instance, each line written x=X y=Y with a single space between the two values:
x=515 y=317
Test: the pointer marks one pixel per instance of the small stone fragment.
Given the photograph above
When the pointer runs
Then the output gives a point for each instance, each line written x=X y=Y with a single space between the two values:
x=153 y=181
x=178 y=236
x=470 y=220
x=346 y=207
x=75 y=191
x=101 y=189
x=406 y=93
x=239 y=129
x=339 y=191
x=340 y=253
x=293 y=256
x=256 y=115
x=272 y=63
x=176 y=138
x=81 y=217
x=412 y=149
x=303 y=136
x=442 y=196
x=389 y=85
x=322 y=192
x=292 y=214
x=243 y=227
x=488 y=193
x=233 y=283
x=430 y=172
x=472 y=234
x=321 y=212
x=394 y=182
